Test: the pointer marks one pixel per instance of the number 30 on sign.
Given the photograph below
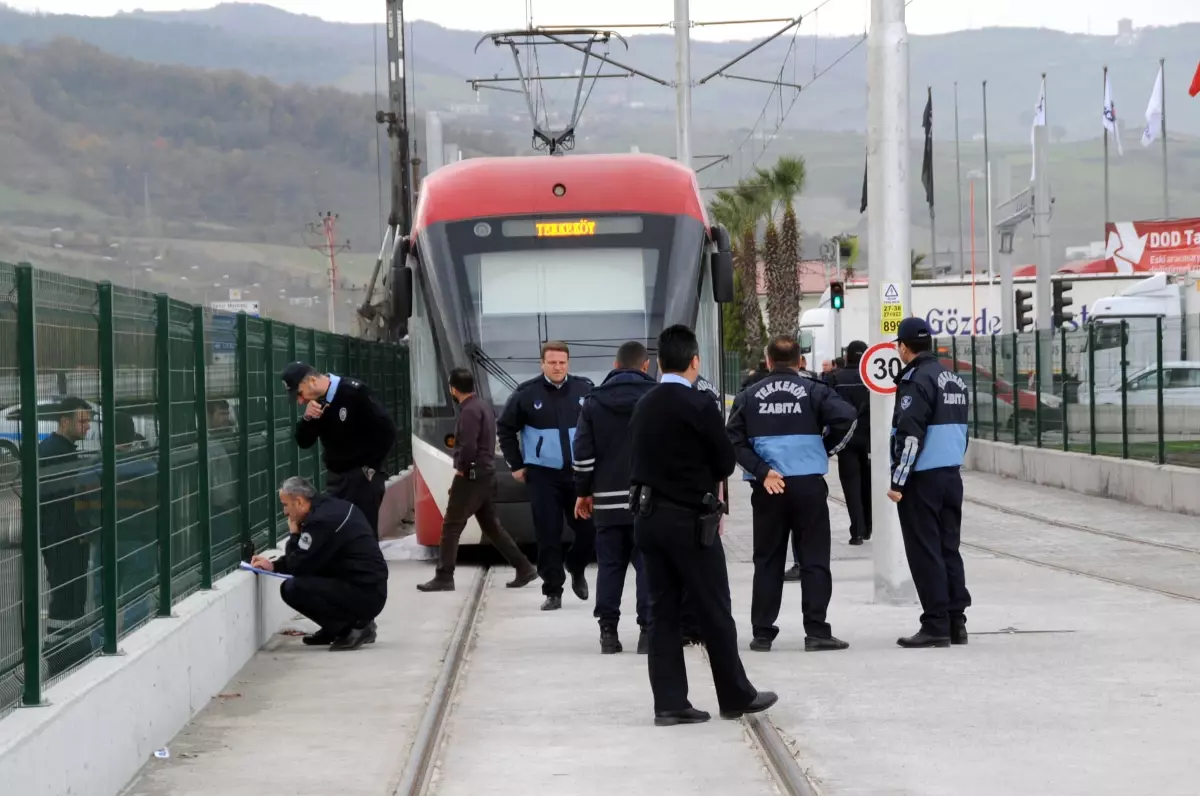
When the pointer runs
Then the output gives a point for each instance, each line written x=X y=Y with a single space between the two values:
x=879 y=368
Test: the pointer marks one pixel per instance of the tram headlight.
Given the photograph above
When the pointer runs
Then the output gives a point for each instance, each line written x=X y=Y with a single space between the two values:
x=560 y=189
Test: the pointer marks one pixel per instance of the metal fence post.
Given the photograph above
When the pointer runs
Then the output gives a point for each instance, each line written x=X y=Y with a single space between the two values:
x=974 y=389
x=1016 y=393
x=1091 y=389
x=995 y=395
x=166 y=514
x=1037 y=370
x=1124 y=392
x=1162 y=446
x=109 y=557
x=31 y=513
x=272 y=463
x=243 y=365
x=1066 y=432
x=316 y=448
x=204 y=476
x=295 y=407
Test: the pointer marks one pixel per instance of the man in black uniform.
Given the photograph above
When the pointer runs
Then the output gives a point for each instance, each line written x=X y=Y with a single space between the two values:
x=929 y=442
x=339 y=577
x=356 y=431
x=543 y=412
x=472 y=492
x=784 y=429
x=679 y=452
x=854 y=463
x=602 y=484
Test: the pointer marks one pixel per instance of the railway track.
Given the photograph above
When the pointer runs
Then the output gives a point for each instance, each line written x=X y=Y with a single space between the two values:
x=417 y=778
x=1072 y=527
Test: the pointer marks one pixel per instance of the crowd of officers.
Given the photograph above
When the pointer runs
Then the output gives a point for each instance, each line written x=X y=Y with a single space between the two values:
x=637 y=469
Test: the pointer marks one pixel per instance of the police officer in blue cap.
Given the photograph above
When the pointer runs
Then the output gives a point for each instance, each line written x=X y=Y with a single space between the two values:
x=784 y=428
x=929 y=441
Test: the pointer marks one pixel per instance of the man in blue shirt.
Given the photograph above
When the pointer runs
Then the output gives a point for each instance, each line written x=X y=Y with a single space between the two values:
x=929 y=442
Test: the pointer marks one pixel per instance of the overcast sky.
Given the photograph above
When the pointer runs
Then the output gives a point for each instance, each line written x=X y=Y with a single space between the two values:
x=837 y=17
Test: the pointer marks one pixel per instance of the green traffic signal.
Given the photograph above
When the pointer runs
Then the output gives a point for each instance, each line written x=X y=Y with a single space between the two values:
x=837 y=296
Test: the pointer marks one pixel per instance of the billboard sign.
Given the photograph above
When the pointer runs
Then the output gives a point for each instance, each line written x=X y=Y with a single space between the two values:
x=1171 y=247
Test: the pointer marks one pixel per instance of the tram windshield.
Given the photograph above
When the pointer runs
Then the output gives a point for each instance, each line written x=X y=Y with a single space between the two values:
x=592 y=283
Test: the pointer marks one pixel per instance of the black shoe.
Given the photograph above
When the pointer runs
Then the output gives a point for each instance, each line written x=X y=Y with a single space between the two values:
x=792 y=575
x=922 y=640
x=643 y=642
x=669 y=718
x=354 y=639
x=322 y=638
x=814 y=644
x=553 y=603
x=439 y=583
x=958 y=631
x=856 y=540
x=579 y=585
x=761 y=702
x=760 y=644
x=522 y=579
x=610 y=644
x=866 y=536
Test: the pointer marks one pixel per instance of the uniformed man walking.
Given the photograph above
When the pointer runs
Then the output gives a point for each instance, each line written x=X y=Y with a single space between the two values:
x=355 y=431
x=854 y=462
x=679 y=452
x=602 y=485
x=929 y=441
x=784 y=430
x=536 y=430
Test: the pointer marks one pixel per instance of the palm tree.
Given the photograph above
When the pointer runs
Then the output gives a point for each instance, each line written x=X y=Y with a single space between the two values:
x=781 y=184
x=915 y=262
x=747 y=205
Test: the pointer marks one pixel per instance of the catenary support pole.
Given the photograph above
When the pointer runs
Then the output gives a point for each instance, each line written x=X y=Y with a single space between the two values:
x=888 y=238
x=683 y=83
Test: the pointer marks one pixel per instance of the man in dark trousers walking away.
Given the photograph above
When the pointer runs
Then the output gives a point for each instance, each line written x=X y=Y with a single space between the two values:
x=472 y=492
x=679 y=453
x=536 y=430
x=854 y=462
x=602 y=486
x=339 y=577
x=784 y=429
x=929 y=442
x=355 y=430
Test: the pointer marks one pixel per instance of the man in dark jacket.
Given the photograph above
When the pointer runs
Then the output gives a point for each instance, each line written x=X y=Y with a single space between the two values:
x=339 y=577
x=602 y=484
x=756 y=375
x=472 y=492
x=854 y=463
x=536 y=431
x=354 y=428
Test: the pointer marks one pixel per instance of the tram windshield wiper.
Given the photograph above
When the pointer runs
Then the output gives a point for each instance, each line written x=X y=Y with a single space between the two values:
x=491 y=366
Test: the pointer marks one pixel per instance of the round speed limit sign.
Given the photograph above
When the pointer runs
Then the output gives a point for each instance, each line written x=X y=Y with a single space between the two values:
x=879 y=368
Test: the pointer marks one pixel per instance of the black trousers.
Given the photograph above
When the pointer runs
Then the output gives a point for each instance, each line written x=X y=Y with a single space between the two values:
x=475 y=499
x=552 y=498
x=675 y=561
x=615 y=551
x=802 y=511
x=854 y=471
x=335 y=605
x=355 y=487
x=931 y=523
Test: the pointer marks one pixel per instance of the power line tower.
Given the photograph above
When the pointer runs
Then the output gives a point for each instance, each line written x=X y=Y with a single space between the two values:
x=323 y=234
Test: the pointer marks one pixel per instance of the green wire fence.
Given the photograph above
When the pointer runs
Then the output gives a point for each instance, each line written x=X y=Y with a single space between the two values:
x=106 y=525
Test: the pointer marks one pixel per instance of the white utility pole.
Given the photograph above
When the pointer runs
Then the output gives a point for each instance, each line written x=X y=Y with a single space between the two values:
x=888 y=173
x=683 y=83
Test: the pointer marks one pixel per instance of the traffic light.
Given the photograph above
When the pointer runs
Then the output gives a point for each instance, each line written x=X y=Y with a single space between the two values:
x=1024 y=300
x=1061 y=302
x=837 y=295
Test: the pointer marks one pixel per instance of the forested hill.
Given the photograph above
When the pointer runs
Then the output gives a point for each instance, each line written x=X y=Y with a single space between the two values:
x=85 y=134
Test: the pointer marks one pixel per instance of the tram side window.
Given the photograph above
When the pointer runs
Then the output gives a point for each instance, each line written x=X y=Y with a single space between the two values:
x=427 y=388
x=708 y=330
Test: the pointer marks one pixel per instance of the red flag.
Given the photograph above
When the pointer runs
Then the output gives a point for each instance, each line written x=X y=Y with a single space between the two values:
x=1195 y=89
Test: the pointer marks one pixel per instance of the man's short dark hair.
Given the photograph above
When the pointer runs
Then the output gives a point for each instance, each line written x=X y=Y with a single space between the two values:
x=840 y=362
x=462 y=380
x=784 y=350
x=632 y=355
x=555 y=345
x=919 y=345
x=68 y=406
x=677 y=347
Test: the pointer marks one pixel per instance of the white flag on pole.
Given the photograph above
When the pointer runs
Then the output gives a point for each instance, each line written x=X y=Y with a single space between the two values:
x=1039 y=120
x=1110 y=115
x=1154 y=112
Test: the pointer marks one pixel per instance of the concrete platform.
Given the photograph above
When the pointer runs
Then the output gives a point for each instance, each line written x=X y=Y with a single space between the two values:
x=1094 y=695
